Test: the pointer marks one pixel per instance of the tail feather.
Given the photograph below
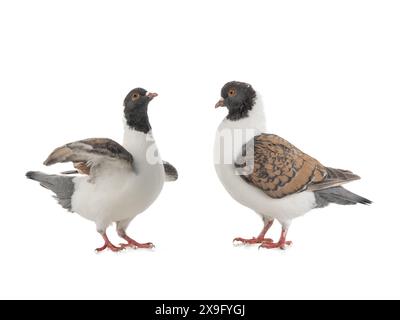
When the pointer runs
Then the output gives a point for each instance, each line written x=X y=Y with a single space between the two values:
x=62 y=186
x=171 y=174
x=338 y=195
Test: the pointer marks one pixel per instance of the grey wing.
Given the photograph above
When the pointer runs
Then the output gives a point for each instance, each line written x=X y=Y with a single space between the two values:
x=171 y=174
x=91 y=155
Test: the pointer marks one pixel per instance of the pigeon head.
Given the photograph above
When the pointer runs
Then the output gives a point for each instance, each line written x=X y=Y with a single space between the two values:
x=136 y=103
x=238 y=97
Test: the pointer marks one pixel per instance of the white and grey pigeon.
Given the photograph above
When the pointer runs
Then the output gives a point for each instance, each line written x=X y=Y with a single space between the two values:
x=116 y=182
x=266 y=173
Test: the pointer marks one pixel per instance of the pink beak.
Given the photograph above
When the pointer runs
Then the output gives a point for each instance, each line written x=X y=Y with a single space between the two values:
x=220 y=103
x=151 y=95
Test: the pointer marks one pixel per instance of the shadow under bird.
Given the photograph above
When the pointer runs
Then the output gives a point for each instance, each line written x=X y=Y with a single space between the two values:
x=266 y=173
x=114 y=183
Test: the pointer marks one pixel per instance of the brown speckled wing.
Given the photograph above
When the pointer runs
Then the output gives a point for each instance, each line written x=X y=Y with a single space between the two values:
x=280 y=169
x=88 y=154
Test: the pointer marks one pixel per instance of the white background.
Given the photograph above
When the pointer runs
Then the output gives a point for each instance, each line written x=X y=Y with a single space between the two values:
x=329 y=72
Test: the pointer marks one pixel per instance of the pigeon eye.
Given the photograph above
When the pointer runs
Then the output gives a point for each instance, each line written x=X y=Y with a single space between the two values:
x=135 y=96
x=232 y=93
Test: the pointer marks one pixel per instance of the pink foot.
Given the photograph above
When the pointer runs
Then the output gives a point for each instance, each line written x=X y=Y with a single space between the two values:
x=135 y=245
x=261 y=237
x=252 y=240
x=272 y=245
x=282 y=243
x=109 y=245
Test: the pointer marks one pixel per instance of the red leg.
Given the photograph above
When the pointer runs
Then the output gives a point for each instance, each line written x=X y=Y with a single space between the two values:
x=133 y=243
x=282 y=243
x=261 y=237
x=108 y=244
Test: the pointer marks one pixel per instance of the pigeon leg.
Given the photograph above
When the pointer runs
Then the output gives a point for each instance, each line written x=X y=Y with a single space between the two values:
x=108 y=244
x=282 y=243
x=133 y=243
x=261 y=237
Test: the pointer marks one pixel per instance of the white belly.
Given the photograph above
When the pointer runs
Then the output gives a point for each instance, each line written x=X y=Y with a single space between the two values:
x=117 y=196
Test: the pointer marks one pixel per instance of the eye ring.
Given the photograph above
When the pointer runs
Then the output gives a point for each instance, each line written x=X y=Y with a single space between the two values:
x=135 y=96
x=232 y=92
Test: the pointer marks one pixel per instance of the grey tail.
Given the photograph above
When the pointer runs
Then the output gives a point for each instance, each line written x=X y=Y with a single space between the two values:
x=338 y=195
x=62 y=186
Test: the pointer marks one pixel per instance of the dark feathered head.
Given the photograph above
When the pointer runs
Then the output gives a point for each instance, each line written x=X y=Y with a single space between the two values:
x=238 y=97
x=136 y=103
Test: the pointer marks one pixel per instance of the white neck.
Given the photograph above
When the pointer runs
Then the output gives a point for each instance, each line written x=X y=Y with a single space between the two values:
x=141 y=145
x=254 y=121
x=232 y=135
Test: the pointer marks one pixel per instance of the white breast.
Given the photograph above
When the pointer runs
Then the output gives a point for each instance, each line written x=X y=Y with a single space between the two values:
x=121 y=193
x=230 y=137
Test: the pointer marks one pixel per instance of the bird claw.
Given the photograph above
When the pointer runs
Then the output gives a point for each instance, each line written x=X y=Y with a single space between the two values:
x=273 y=245
x=251 y=241
x=111 y=247
x=135 y=245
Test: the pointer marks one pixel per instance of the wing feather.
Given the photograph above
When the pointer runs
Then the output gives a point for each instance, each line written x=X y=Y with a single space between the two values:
x=280 y=169
x=87 y=155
